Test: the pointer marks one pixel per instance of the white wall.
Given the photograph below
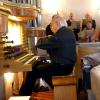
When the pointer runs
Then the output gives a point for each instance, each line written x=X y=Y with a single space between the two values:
x=64 y=7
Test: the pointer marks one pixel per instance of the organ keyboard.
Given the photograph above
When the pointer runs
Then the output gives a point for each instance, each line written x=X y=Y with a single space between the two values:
x=16 y=60
x=17 y=45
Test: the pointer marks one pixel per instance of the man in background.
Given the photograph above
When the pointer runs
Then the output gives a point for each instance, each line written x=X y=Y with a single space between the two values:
x=74 y=25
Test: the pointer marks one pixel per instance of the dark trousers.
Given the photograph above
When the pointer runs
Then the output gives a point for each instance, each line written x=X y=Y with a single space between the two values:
x=43 y=70
x=76 y=31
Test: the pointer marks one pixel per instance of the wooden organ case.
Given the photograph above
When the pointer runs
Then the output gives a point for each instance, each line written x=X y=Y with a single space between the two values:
x=16 y=58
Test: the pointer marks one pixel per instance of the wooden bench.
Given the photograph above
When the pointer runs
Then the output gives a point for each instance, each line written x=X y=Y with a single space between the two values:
x=65 y=87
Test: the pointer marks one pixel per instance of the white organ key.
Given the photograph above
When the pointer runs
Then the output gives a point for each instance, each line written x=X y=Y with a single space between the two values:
x=22 y=57
x=35 y=57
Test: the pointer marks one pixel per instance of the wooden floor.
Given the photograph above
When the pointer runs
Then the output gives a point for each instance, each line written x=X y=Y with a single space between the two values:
x=48 y=95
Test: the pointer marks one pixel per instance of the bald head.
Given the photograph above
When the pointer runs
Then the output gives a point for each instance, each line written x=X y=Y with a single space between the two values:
x=57 y=22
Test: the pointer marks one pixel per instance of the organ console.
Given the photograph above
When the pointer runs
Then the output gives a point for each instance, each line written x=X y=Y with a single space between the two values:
x=17 y=58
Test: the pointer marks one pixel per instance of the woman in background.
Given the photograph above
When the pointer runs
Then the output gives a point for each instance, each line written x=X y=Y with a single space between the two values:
x=87 y=19
x=88 y=33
